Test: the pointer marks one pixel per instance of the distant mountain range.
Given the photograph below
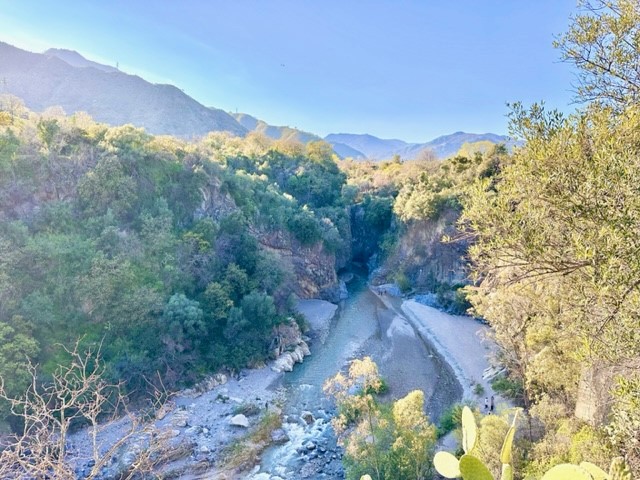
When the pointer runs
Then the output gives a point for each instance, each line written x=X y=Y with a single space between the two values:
x=375 y=148
x=64 y=78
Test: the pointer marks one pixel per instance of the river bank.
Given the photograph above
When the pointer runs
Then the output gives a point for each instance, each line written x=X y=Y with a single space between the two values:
x=195 y=429
x=413 y=345
x=466 y=346
x=365 y=326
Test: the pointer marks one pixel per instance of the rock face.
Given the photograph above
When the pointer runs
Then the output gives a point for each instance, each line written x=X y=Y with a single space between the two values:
x=594 y=390
x=313 y=268
x=425 y=259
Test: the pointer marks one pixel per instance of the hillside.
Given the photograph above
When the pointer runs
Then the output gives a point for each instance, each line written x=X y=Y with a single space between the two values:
x=74 y=59
x=60 y=78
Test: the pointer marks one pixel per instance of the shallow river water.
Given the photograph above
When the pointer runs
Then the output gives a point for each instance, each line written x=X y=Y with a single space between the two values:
x=362 y=326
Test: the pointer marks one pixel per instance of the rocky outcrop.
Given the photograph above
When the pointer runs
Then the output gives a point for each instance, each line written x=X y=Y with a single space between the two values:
x=594 y=398
x=313 y=267
x=424 y=258
x=289 y=348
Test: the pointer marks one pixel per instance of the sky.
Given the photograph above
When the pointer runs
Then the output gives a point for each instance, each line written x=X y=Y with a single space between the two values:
x=412 y=70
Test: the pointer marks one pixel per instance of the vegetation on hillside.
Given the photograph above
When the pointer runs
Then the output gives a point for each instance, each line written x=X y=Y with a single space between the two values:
x=150 y=246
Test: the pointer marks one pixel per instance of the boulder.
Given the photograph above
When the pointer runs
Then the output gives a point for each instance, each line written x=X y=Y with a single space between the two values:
x=239 y=421
x=284 y=363
x=299 y=354
x=195 y=430
x=180 y=419
x=307 y=417
x=295 y=355
x=305 y=348
x=279 y=436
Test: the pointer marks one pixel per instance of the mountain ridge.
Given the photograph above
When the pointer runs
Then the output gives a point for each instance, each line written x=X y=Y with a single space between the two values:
x=65 y=78
x=111 y=97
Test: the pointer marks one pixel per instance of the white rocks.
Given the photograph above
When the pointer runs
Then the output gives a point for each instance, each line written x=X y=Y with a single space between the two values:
x=287 y=360
x=180 y=419
x=307 y=417
x=284 y=363
x=195 y=430
x=239 y=421
x=261 y=476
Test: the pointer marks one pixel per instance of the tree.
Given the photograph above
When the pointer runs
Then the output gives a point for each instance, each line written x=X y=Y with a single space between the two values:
x=389 y=442
x=182 y=324
x=17 y=349
x=415 y=438
x=604 y=43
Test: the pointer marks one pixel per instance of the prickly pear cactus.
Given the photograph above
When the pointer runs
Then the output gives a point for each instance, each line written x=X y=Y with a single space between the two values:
x=469 y=430
x=595 y=471
x=447 y=465
x=472 y=468
x=567 y=471
x=507 y=472
x=619 y=470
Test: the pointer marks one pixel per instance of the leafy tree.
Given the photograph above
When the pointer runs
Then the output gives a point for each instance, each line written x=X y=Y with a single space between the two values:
x=182 y=324
x=389 y=442
x=604 y=43
x=107 y=187
x=17 y=349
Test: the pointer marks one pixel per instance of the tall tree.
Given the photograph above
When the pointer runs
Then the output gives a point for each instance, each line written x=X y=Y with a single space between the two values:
x=604 y=43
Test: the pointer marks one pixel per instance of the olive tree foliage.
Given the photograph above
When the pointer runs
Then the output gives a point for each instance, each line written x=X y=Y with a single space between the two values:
x=558 y=233
x=387 y=441
x=604 y=43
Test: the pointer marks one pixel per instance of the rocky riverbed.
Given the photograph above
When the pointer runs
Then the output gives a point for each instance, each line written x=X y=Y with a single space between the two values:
x=268 y=425
x=191 y=433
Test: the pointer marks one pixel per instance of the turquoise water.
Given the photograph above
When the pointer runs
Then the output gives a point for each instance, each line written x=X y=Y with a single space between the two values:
x=354 y=324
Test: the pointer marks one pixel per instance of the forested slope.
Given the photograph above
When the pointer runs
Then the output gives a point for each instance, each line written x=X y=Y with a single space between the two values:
x=177 y=258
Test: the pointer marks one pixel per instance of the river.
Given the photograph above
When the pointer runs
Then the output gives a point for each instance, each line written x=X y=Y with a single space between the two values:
x=364 y=325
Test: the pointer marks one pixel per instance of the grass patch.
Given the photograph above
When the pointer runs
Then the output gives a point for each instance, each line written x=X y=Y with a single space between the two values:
x=243 y=453
x=247 y=409
x=478 y=389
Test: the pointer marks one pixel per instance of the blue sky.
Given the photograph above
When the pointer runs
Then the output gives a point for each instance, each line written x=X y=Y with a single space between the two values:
x=395 y=69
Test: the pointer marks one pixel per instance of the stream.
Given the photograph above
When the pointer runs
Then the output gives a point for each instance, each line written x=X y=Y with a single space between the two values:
x=363 y=326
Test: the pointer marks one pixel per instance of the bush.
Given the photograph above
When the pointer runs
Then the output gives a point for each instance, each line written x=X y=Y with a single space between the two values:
x=402 y=281
x=508 y=387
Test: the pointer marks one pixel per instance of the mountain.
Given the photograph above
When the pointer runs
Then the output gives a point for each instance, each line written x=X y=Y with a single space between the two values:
x=292 y=134
x=372 y=147
x=74 y=59
x=62 y=77
x=375 y=148
x=277 y=133
x=345 y=151
x=448 y=145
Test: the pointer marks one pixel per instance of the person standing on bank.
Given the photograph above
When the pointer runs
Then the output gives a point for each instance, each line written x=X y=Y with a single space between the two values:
x=492 y=405
x=486 y=404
